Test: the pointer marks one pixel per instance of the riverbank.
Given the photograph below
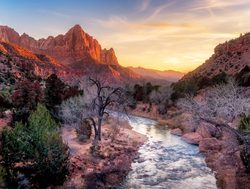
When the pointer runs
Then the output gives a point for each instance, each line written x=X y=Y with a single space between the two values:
x=142 y=110
x=166 y=161
x=111 y=165
x=221 y=150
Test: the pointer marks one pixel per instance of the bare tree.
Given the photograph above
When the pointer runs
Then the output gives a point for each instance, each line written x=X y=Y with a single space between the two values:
x=162 y=98
x=94 y=105
x=105 y=97
x=219 y=105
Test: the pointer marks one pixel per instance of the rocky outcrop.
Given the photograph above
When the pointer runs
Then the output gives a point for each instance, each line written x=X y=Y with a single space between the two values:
x=109 y=57
x=207 y=130
x=9 y=35
x=210 y=144
x=176 y=131
x=192 y=138
x=221 y=150
x=230 y=57
x=18 y=62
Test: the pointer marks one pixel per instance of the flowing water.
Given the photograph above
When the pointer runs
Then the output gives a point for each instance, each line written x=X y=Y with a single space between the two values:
x=166 y=162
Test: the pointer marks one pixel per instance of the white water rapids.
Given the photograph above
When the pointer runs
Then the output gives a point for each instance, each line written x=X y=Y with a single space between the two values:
x=166 y=162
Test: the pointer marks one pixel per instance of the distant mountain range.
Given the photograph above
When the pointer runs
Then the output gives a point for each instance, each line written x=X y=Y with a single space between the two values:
x=168 y=75
x=74 y=54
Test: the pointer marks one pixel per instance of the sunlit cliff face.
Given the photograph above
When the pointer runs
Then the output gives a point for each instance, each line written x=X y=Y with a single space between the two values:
x=162 y=34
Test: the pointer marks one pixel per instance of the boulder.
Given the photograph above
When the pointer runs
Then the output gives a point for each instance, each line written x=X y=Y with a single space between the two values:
x=176 y=131
x=226 y=178
x=204 y=131
x=210 y=144
x=207 y=130
x=192 y=138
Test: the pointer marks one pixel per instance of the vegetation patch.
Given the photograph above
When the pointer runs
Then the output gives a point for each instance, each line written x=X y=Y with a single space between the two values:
x=34 y=152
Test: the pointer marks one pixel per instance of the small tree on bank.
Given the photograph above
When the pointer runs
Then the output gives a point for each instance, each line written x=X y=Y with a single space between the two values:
x=94 y=105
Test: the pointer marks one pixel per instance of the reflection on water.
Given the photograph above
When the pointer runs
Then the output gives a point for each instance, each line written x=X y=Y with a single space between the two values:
x=166 y=162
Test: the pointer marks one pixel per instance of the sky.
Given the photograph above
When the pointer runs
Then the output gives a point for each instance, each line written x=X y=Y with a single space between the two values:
x=160 y=34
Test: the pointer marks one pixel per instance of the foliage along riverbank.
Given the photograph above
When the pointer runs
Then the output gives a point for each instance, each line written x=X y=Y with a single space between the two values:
x=112 y=163
x=221 y=148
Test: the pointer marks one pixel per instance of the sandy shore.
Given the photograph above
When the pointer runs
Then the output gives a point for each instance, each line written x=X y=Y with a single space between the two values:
x=113 y=163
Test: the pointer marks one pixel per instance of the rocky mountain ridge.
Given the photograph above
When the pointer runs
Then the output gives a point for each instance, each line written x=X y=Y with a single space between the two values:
x=74 y=54
x=74 y=46
x=168 y=75
x=230 y=57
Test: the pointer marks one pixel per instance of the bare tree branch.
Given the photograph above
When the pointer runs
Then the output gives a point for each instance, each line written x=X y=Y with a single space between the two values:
x=219 y=105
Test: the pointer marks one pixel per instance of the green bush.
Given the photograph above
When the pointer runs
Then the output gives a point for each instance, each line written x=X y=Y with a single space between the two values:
x=184 y=87
x=2 y=177
x=37 y=148
x=27 y=94
x=243 y=77
x=84 y=131
x=190 y=86
x=4 y=104
x=245 y=156
x=141 y=93
x=245 y=124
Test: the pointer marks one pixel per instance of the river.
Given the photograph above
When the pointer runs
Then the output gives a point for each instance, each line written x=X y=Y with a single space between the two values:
x=166 y=162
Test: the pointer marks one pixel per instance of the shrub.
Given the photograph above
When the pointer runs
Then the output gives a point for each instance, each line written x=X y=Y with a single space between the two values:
x=245 y=124
x=84 y=131
x=220 y=79
x=56 y=91
x=71 y=110
x=2 y=177
x=162 y=98
x=4 y=104
x=25 y=98
x=190 y=86
x=243 y=77
x=95 y=148
x=184 y=87
x=142 y=92
x=36 y=148
x=131 y=101
x=245 y=157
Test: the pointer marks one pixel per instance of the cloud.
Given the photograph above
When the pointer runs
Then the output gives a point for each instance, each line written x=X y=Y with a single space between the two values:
x=158 y=10
x=55 y=13
x=219 y=4
x=144 y=5
x=121 y=23
x=175 y=36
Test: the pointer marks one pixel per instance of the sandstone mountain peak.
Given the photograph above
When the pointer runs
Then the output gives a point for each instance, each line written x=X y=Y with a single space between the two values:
x=73 y=47
x=76 y=30
x=74 y=53
x=77 y=27
x=8 y=34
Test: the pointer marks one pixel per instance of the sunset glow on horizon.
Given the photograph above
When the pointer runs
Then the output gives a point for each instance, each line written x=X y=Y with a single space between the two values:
x=160 y=34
